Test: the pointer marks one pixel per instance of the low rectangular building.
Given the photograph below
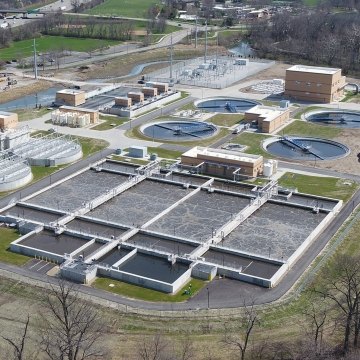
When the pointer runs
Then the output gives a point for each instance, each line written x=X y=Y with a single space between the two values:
x=70 y=97
x=268 y=118
x=136 y=97
x=8 y=120
x=149 y=91
x=123 y=101
x=315 y=84
x=223 y=163
x=161 y=87
x=94 y=114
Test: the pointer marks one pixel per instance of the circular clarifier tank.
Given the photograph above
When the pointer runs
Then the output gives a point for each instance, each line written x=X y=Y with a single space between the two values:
x=304 y=148
x=340 y=118
x=226 y=105
x=179 y=130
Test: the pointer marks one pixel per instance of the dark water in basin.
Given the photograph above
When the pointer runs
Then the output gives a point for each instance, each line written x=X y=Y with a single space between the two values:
x=227 y=105
x=154 y=267
x=317 y=150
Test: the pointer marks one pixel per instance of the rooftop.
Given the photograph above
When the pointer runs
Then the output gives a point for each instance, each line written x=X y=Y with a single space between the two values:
x=77 y=109
x=5 y=113
x=268 y=112
x=222 y=154
x=314 y=69
x=70 y=91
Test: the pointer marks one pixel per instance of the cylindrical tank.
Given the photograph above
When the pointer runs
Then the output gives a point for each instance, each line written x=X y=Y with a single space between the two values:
x=81 y=121
x=268 y=169
x=63 y=119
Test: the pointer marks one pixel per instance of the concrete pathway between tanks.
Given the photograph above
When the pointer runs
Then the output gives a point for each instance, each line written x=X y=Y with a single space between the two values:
x=235 y=292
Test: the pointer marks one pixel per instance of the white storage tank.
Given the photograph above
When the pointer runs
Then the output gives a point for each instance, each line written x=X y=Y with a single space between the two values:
x=81 y=121
x=63 y=119
x=87 y=119
x=268 y=169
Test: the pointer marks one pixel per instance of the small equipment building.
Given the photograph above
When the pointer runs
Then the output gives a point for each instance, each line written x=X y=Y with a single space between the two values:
x=268 y=118
x=222 y=163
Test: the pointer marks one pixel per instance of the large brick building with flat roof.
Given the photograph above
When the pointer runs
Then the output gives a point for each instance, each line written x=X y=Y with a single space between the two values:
x=315 y=84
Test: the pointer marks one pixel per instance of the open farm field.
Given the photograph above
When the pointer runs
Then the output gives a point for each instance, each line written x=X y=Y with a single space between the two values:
x=128 y=8
x=24 y=48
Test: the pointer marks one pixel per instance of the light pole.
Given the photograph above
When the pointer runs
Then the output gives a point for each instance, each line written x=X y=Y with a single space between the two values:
x=208 y=298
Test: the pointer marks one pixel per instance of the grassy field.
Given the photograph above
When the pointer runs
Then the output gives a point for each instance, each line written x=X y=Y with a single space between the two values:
x=253 y=142
x=138 y=292
x=109 y=122
x=164 y=153
x=305 y=128
x=29 y=114
x=322 y=186
x=91 y=146
x=226 y=119
x=128 y=8
x=6 y=237
x=24 y=48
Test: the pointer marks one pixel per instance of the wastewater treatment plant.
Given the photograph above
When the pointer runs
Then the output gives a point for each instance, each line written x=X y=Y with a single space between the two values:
x=158 y=229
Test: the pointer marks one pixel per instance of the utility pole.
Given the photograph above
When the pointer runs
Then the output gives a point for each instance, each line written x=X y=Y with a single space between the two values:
x=206 y=35
x=196 y=32
x=35 y=61
x=171 y=58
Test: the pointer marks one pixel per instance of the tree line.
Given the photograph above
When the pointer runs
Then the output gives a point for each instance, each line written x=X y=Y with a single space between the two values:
x=319 y=37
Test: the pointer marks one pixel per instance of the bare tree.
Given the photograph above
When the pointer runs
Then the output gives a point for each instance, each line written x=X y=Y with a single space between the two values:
x=153 y=348
x=70 y=328
x=238 y=336
x=342 y=287
x=19 y=346
x=186 y=350
x=315 y=317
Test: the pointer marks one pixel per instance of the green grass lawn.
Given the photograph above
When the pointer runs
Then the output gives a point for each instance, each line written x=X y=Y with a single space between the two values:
x=91 y=146
x=164 y=153
x=322 y=186
x=305 y=128
x=311 y=2
x=128 y=8
x=253 y=142
x=109 y=122
x=129 y=160
x=6 y=237
x=29 y=114
x=138 y=292
x=24 y=48
x=226 y=119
